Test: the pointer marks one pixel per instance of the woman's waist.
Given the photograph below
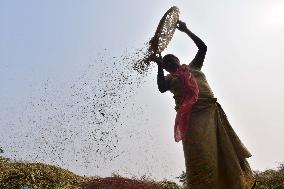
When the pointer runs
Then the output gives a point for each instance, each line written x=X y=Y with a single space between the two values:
x=203 y=103
x=206 y=100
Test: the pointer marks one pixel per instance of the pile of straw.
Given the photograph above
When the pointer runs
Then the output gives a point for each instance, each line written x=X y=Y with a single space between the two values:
x=15 y=175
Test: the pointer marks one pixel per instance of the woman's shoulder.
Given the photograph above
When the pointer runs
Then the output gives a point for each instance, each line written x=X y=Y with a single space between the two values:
x=196 y=71
x=193 y=67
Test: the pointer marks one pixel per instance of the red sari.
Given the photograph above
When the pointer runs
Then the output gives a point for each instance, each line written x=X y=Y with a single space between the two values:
x=190 y=96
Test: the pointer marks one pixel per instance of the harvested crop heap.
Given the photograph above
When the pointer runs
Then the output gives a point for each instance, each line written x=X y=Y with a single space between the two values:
x=15 y=175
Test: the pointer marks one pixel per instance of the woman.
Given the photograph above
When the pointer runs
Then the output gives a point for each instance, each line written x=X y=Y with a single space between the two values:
x=215 y=158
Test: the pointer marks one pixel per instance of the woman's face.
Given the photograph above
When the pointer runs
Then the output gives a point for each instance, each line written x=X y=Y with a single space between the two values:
x=171 y=65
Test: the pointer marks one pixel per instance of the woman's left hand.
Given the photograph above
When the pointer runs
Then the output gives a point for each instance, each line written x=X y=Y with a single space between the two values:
x=181 y=26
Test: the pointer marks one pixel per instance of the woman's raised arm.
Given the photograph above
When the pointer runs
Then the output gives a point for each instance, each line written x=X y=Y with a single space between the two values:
x=202 y=48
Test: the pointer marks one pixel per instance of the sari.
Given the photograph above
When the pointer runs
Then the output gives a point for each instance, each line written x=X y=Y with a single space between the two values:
x=215 y=157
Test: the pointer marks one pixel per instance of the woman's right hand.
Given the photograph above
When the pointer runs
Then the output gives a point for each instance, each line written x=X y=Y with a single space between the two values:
x=157 y=59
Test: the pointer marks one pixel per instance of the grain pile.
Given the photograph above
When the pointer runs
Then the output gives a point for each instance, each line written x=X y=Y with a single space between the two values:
x=15 y=175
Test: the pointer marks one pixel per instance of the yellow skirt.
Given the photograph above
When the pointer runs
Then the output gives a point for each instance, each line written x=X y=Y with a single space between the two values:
x=215 y=158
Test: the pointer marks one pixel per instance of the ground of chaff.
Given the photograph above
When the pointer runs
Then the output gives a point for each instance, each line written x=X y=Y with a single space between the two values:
x=14 y=175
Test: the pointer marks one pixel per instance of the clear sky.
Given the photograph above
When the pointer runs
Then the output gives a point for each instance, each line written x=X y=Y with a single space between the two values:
x=55 y=42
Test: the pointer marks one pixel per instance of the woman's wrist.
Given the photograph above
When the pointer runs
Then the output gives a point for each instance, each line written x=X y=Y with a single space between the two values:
x=187 y=31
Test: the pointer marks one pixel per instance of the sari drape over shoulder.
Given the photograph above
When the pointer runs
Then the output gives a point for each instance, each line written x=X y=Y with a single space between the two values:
x=189 y=97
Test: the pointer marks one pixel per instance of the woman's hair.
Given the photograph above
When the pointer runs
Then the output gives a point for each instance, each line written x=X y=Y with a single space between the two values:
x=171 y=62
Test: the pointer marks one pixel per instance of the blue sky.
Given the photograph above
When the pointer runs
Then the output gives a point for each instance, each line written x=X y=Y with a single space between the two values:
x=55 y=42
